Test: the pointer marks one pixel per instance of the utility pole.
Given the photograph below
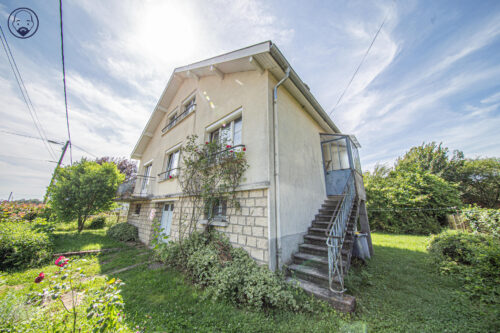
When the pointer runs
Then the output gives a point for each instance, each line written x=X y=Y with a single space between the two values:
x=10 y=196
x=55 y=171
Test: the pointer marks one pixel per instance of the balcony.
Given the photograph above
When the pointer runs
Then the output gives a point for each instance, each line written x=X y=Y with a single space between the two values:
x=178 y=119
x=169 y=174
x=135 y=188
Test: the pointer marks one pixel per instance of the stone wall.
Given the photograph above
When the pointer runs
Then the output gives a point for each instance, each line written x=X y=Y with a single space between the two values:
x=246 y=227
x=142 y=220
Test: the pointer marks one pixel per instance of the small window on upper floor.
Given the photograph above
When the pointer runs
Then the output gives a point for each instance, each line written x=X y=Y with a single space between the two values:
x=171 y=118
x=190 y=105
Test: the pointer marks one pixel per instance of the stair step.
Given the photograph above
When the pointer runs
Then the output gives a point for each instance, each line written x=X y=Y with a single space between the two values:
x=301 y=258
x=341 y=302
x=312 y=274
x=322 y=232
x=307 y=259
x=317 y=240
x=314 y=249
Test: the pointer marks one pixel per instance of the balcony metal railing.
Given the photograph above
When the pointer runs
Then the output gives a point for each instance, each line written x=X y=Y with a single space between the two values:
x=177 y=119
x=138 y=186
x=169 y=174
x=230 y=151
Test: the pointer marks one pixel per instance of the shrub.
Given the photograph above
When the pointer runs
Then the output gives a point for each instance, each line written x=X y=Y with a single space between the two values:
x=482 y=220
x=123 y=232
x=98 y=222
x=23 y=244
x=408 y=202
x=228 y=273
x=475 y=258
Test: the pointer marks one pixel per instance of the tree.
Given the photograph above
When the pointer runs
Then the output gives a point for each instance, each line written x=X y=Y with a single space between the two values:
x=84 y=189
x=125 y=166
x=480 y=182
x=433 y=158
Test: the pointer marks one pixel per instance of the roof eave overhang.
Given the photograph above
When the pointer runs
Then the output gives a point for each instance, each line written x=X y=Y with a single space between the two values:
x=180 y=73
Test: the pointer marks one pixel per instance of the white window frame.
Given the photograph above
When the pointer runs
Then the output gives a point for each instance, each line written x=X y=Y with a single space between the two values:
x=172 y=171
x=187 y=101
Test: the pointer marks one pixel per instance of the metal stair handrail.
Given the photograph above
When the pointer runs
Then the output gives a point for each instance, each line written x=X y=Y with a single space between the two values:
x=336 y=234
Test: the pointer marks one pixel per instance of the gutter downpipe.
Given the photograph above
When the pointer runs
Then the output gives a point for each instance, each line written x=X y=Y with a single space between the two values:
x=276 y=168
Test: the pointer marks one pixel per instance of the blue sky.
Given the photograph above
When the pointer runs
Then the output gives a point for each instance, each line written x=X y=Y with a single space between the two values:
x=432 y=74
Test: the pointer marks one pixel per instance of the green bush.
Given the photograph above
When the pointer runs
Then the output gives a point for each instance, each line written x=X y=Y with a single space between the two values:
x=98 y=222
x=474 y=258
x=408 y=202
x=230 y=274
x=24 y=244
x=482 y=220
x=123 y=232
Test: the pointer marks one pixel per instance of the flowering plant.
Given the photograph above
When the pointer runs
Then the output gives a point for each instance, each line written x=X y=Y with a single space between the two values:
x=65 y=286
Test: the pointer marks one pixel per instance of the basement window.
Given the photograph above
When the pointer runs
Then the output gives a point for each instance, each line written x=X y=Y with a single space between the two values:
x=217 y=211
x=137 y=209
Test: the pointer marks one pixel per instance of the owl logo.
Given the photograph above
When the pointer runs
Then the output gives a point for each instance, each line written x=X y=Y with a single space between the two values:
x=23 y=23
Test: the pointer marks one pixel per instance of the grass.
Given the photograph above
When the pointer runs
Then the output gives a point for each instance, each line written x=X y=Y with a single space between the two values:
x=398 y=291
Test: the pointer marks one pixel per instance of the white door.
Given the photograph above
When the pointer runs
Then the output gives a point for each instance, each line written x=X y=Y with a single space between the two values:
x=166 y=220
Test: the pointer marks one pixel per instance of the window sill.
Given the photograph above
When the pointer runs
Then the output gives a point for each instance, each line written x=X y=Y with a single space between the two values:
x=166 y=179
x=215 y=223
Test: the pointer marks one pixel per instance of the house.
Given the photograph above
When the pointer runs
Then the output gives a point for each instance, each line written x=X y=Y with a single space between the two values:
x=303 y=185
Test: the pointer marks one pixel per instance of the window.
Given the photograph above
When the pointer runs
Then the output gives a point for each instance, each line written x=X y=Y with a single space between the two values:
x=217 y=211
x=137 y=209
x=145 y=178
x=172 y=167
x=190 y=105
x=171 y=119
x=228 y=134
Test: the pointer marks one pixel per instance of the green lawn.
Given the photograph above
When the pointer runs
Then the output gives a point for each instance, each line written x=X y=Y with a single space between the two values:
x=397 y=291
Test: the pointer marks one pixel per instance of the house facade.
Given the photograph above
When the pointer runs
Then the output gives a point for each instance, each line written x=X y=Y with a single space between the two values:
x=254 y=99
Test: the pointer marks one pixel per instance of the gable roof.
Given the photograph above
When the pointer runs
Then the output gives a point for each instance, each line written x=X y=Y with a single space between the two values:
x=259 y=57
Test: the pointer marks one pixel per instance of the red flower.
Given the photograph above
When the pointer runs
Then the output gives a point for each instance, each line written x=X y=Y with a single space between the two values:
x=244 y=149
x=231 y=151
x=228 y=146
x=61 y=261
x=169 y=176
x=40 y=277
x=206 y=142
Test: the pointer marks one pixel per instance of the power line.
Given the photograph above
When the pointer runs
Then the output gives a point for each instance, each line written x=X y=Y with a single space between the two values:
x=50 y=141
x=24 y=93
x=85 y=151
x=359 y=66
x=27 y=158
x=64 y=83
x=30 y=136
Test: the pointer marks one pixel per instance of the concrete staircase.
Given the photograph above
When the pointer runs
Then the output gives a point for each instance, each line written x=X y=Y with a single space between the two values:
x=309 y=267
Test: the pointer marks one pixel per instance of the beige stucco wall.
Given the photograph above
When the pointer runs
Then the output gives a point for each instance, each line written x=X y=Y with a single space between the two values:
x=246 y=90
x=301 y=184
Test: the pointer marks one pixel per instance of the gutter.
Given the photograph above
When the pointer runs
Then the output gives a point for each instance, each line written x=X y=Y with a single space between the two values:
x=277 y=221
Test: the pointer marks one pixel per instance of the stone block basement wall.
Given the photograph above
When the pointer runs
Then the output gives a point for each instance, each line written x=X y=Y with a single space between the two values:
x=246 y=227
